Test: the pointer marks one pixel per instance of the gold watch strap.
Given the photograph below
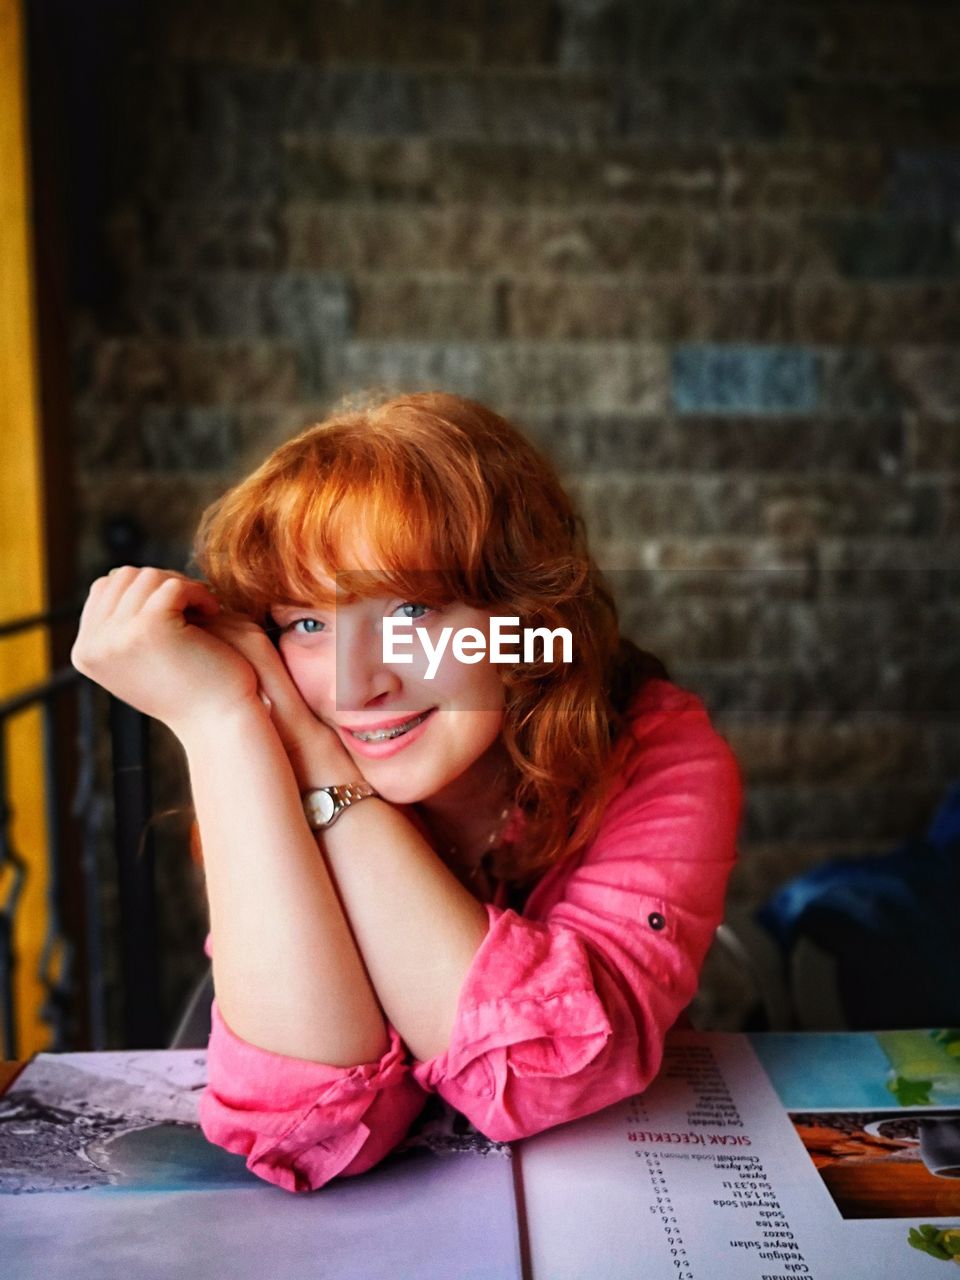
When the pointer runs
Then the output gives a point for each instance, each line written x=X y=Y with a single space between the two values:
x=351 y=793
x=324 y=805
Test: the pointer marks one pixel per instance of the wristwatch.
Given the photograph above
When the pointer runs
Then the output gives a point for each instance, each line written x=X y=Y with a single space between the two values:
x=324 y=805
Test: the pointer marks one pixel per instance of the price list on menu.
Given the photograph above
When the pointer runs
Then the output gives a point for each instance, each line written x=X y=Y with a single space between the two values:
x=701 y=1166
x=700 y=1178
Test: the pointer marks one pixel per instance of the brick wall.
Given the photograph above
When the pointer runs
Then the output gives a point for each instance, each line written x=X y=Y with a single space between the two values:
x=706 y=252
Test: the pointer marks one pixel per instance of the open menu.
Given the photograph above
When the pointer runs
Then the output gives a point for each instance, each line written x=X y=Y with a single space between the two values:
x=768 y=1158
x=764 y=1157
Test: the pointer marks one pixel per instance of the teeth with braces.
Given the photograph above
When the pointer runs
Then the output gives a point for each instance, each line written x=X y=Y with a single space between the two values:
x=384 y=735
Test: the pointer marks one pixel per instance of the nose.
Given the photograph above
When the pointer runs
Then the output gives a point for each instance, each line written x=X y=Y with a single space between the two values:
x=360 y=676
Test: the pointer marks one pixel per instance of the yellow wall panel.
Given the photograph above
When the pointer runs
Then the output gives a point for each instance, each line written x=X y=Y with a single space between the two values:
x=23 y=659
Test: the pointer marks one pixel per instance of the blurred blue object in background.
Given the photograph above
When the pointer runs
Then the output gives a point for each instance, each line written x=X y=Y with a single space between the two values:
x=889 y=925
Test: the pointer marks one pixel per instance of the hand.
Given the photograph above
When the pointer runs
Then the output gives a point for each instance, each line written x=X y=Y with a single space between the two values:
x=317 y=755
x=141 y=637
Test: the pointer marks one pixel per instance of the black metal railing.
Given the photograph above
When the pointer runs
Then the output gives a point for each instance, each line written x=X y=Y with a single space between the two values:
x=57 y=979
x=73 y=861
x=136 y=881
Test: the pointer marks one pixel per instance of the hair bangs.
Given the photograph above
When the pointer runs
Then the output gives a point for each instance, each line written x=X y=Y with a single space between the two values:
x=365 y=522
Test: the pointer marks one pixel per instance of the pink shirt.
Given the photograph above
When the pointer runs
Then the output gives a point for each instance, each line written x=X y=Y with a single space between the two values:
x=566 y=1005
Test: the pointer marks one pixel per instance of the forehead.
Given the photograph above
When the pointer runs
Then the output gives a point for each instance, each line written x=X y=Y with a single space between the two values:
x=328 y=596
x=348 y=566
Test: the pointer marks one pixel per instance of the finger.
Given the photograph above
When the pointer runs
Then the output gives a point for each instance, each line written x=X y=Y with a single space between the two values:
x=242 y=621
x=179 y=595
x=104 y=604
x=108 y=591
x=125 y=590
x=202 y=607
x=283 y=699
x=138 y=589
x=256 y=646
x=246 y=637
x=238 y=630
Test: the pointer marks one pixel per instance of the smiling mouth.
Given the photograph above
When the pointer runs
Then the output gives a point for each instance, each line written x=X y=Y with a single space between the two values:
x=396 y=731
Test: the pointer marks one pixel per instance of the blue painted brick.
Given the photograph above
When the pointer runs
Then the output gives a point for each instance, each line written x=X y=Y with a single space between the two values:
x=745 y=379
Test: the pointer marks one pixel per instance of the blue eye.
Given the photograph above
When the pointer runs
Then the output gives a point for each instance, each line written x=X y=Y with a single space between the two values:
x=411 y=605
x=310 y=626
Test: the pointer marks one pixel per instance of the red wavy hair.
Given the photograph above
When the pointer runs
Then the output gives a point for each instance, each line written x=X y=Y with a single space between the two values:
x=450 y=502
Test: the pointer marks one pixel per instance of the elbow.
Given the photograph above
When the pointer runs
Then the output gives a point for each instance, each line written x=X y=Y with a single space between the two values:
x=523 y=1115
x=515 y=1126
x=324 y=1144
x=522 y=1104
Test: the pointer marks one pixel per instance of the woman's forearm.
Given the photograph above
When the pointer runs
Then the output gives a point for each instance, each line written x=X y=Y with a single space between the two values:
x=287 y=972
x=309 y=942
x=417 y=927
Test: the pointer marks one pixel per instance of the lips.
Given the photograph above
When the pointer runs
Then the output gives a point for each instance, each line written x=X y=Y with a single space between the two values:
x=388 y=737
x=389 y=729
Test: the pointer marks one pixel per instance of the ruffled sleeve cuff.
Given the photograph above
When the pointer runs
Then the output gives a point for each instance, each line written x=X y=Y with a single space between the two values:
x=529 y=1017
x=301 y=1123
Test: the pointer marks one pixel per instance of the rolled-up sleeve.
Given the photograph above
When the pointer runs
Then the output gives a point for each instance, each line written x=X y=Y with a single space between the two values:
x=301 y=1123
x=564 y=1015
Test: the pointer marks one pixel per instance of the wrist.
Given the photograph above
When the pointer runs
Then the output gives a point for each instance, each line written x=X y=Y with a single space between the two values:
x=323 y=806
x=321 y=762
x=212 y=725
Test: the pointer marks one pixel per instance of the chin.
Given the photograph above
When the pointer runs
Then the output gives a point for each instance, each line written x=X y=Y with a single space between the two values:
x=396 y=786
x=401 y=792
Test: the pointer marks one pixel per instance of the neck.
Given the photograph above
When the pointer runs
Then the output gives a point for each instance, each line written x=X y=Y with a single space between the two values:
x=468 y=810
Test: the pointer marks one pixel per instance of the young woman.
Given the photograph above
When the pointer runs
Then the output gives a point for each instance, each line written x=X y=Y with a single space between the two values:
x=493 y=880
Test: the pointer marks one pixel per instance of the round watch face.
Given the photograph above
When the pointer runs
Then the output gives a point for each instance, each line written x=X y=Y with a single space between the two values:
x=322 y=807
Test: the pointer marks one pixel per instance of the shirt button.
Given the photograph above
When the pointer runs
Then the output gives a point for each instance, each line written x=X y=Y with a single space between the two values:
x=655 y=920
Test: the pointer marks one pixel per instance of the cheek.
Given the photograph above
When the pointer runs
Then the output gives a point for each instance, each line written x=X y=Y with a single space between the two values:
x=306 y=673
x=473 y=686
x=472 y=733
x=487 y=689
x=491 y=727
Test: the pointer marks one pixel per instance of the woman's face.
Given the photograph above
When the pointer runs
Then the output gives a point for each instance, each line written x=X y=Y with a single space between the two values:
x=411 y=736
